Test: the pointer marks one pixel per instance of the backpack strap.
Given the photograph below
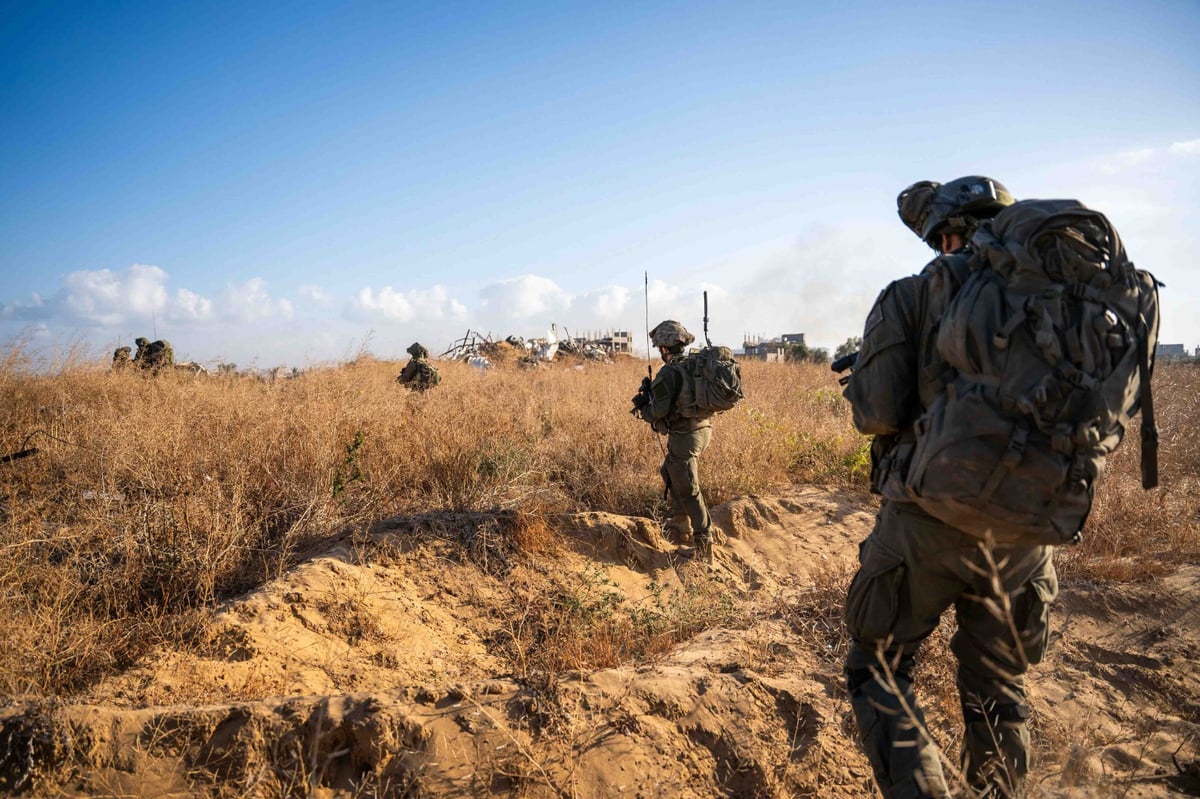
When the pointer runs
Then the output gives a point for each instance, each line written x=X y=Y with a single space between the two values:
x=1008 y=461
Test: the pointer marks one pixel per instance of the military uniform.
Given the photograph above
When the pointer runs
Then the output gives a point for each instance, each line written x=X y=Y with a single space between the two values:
x=913 y=567
x=687 y=438
x=418 y=374
x=154 y=355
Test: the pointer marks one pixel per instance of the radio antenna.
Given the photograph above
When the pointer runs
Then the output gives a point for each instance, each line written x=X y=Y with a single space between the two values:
x=706 y=341
x=646 y=292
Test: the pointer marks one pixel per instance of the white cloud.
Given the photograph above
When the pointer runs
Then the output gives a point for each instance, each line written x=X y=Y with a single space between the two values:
x=387 y=303
x=190 y=306
x=609 y=302
x=314 y=293
x=250 y=301
x=662 y=294
x=33 y=308
x=1186 y=147
x=1145 y=156
x=523 y=297
x=433 y=304
x=107 y=298
x=1119 y=162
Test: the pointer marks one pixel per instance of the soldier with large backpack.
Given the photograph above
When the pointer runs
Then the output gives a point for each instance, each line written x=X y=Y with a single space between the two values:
x=913 y=566
x=994 y=383
x=153 y=356
x=419 y=374
x=679 y=403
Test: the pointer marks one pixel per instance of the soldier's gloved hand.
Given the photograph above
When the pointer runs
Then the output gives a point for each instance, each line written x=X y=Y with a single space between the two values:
x=640 y=400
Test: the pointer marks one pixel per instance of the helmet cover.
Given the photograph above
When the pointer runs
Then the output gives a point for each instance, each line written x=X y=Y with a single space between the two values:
x=670 y=334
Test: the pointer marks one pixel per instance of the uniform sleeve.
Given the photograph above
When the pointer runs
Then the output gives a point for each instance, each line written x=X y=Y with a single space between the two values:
x=663 y=391
x=883 y=387
x=410 y=372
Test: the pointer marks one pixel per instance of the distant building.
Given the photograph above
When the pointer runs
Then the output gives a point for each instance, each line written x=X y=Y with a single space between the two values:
x=770 y=350
x=617 y=341
x=1171 y=351
x=612 y=341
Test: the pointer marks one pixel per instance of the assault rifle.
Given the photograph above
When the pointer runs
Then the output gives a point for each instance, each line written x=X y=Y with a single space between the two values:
x=642 y=398
x=842 y=364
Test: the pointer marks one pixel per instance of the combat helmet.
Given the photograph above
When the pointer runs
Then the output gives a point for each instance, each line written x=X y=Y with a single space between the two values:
x=959 y=206
x=913 y=204
x=417 y=351
x=671 y=334
x=141 y=341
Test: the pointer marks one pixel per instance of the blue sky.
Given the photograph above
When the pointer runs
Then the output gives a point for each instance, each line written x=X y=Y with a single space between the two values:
x=280 y=183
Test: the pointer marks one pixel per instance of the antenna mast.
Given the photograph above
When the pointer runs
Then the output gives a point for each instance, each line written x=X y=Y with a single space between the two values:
x=707 y=343
x=646 y=292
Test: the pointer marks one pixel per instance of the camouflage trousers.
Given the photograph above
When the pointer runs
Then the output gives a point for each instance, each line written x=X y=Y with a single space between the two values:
x=681 y=473
x=913 y=567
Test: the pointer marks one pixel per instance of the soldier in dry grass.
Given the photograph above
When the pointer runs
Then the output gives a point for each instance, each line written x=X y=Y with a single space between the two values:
x=687 y=437
x=153 y=356
x=914 y=566
x=419 y=374
x=121 y=357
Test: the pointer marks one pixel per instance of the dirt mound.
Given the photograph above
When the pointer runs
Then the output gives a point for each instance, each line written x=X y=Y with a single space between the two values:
x=435 y=656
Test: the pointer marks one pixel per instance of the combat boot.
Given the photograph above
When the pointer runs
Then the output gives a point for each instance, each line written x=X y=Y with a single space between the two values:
x=704 y=550
x=678 y=529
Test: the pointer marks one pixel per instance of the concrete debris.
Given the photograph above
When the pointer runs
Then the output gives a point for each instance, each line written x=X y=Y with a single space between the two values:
x=482 y=352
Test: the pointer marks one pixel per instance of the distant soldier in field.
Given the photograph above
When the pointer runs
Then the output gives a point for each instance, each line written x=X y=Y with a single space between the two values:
x=121 y=358
x=154 y=356
x=687 y=438
x=419 y=374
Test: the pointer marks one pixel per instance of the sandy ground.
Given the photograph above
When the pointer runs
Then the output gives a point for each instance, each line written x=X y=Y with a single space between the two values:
x=384 y=665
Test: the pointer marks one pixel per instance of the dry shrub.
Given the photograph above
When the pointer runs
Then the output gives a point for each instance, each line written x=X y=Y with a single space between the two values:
x=816 y=614
x=584 y=622
x=1133 y=534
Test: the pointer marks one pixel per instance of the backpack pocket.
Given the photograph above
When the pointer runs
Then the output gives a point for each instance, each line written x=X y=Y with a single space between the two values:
x=984 y=473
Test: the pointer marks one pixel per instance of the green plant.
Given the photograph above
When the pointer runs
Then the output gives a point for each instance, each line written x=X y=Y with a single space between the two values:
x=348 y=471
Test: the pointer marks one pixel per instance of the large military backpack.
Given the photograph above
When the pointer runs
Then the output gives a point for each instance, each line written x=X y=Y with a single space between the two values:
x=161 y=353
x=427 y=374
x=713 y=384
x=157 y=355
x=1052 y=339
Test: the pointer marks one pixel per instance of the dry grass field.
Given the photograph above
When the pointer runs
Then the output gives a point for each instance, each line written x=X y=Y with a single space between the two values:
x=152 y=502
x=149 y=498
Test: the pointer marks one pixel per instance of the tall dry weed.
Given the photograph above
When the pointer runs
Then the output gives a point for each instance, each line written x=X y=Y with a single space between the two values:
x=1131 y=533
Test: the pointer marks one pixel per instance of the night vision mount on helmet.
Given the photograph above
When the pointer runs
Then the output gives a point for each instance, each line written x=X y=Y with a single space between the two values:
x=929 y=208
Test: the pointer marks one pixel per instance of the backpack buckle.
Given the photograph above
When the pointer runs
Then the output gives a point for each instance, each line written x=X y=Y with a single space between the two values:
x=1016 y=448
